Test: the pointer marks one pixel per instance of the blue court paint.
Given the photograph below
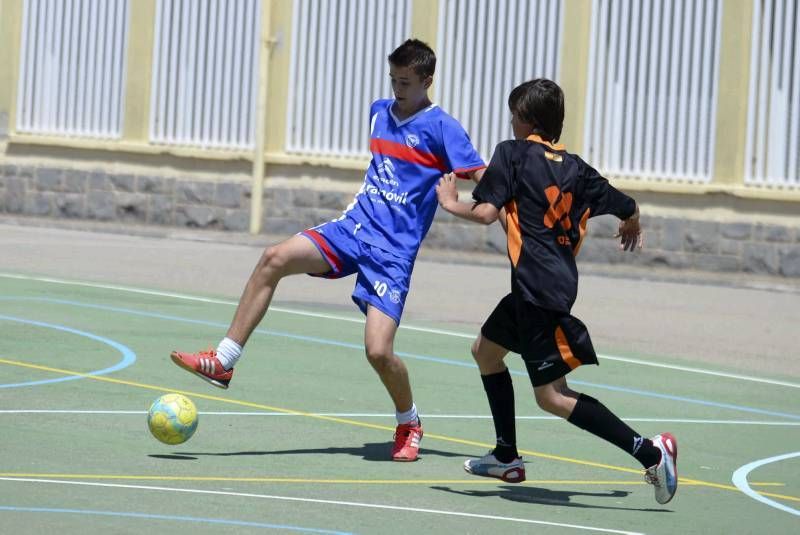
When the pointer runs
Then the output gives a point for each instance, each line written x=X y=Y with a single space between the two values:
x=360 y=347
x=147 y=516
x=695 y=401
x=128 y=356
x=740 y=480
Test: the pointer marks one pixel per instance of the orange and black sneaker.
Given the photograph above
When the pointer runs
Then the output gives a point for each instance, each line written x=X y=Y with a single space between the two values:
x=205 y=365
x=406 y=442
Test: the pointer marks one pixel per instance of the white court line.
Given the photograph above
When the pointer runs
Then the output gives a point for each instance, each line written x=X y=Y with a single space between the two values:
x=740 y=480
x=327 y=502
x=361 y=320
x=388 y=416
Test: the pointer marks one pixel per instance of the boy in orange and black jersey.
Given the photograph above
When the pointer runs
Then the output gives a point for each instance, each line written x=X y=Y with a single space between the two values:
x=548 y=196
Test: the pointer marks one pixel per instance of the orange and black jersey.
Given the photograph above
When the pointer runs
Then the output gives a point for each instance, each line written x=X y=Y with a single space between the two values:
x=549 y=195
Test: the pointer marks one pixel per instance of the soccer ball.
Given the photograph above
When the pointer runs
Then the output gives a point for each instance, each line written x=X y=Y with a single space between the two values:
x=172 y=418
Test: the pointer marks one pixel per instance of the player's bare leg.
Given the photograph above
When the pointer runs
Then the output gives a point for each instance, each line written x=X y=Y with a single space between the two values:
x=488 y=356
x=295 y=255
x=379 y=336
x=556 y=398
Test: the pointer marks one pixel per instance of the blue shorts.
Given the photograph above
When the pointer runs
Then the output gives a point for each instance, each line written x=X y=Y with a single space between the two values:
x=383 y=279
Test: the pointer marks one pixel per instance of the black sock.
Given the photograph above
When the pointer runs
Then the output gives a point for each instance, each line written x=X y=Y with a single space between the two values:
x=500 y=391
x=594 y=417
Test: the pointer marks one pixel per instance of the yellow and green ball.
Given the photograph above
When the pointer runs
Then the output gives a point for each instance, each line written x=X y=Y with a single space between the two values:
x=172 y=418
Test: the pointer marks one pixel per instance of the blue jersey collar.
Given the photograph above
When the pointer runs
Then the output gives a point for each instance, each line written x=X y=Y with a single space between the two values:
x=407 y=120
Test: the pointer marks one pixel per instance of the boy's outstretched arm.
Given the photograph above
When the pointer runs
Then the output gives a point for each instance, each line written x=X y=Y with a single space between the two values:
x=476 y=176
x=606 y=199
x=630 y=232
x=447 y=193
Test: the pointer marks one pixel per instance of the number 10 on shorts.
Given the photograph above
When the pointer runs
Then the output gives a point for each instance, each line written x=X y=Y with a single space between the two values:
x=380 y=288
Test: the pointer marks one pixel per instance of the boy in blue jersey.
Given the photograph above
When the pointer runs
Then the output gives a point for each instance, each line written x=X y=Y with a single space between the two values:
x=413 y=142
x=548 y=195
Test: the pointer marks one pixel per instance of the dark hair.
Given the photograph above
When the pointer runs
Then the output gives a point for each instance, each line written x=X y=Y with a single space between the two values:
x=539 y=103
x=415 y=54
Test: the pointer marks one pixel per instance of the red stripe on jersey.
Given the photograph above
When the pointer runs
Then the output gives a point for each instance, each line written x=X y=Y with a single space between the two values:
x=319 y=240
x=406 y=153
x=463 y=172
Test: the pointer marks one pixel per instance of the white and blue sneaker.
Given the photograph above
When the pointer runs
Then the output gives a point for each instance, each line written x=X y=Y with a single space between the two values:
x=489 y=466
x=664 y=475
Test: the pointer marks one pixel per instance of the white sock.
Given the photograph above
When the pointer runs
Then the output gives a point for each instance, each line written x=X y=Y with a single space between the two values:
x=410 y=416
x=228 y=353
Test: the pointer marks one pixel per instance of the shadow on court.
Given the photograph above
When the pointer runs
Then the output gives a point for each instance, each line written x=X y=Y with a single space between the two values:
x=373 y=451
x=542 y=496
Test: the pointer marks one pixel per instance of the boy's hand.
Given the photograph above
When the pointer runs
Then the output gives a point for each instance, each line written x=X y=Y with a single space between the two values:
x=630 y=233
x=446 y=190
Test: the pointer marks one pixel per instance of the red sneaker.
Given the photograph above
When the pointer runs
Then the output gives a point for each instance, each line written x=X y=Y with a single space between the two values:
x=406 y=442
x=205 y=365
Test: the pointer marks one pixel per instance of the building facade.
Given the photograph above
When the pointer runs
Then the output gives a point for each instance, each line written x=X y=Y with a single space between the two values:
x=252 y=114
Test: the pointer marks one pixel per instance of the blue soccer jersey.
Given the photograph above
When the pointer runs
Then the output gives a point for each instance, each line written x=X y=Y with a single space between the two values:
x=395 y=206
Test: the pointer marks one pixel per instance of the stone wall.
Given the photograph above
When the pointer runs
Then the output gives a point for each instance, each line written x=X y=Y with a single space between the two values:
x=702 y=245
x=97 y=195
x=153 y=200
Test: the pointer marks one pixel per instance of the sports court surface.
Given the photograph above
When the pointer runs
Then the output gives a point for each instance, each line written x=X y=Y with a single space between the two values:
x=299 y=443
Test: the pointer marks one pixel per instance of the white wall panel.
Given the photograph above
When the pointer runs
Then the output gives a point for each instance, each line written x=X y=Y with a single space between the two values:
x=338 y=67
x=205 y=64
x=773 y=113
x=484 y=50
x=72 y=68
x=652 y=92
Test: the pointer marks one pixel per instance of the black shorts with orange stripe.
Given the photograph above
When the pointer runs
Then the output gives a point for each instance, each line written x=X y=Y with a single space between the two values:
x=551 y=343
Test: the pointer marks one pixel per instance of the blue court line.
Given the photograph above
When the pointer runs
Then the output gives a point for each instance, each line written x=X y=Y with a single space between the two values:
x=128 y=356
x=169 y=517
x=324 y=341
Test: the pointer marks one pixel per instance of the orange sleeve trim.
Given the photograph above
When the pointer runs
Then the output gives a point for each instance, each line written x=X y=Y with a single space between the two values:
x=514 y=233
x=582 y=230
x=564 y=349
